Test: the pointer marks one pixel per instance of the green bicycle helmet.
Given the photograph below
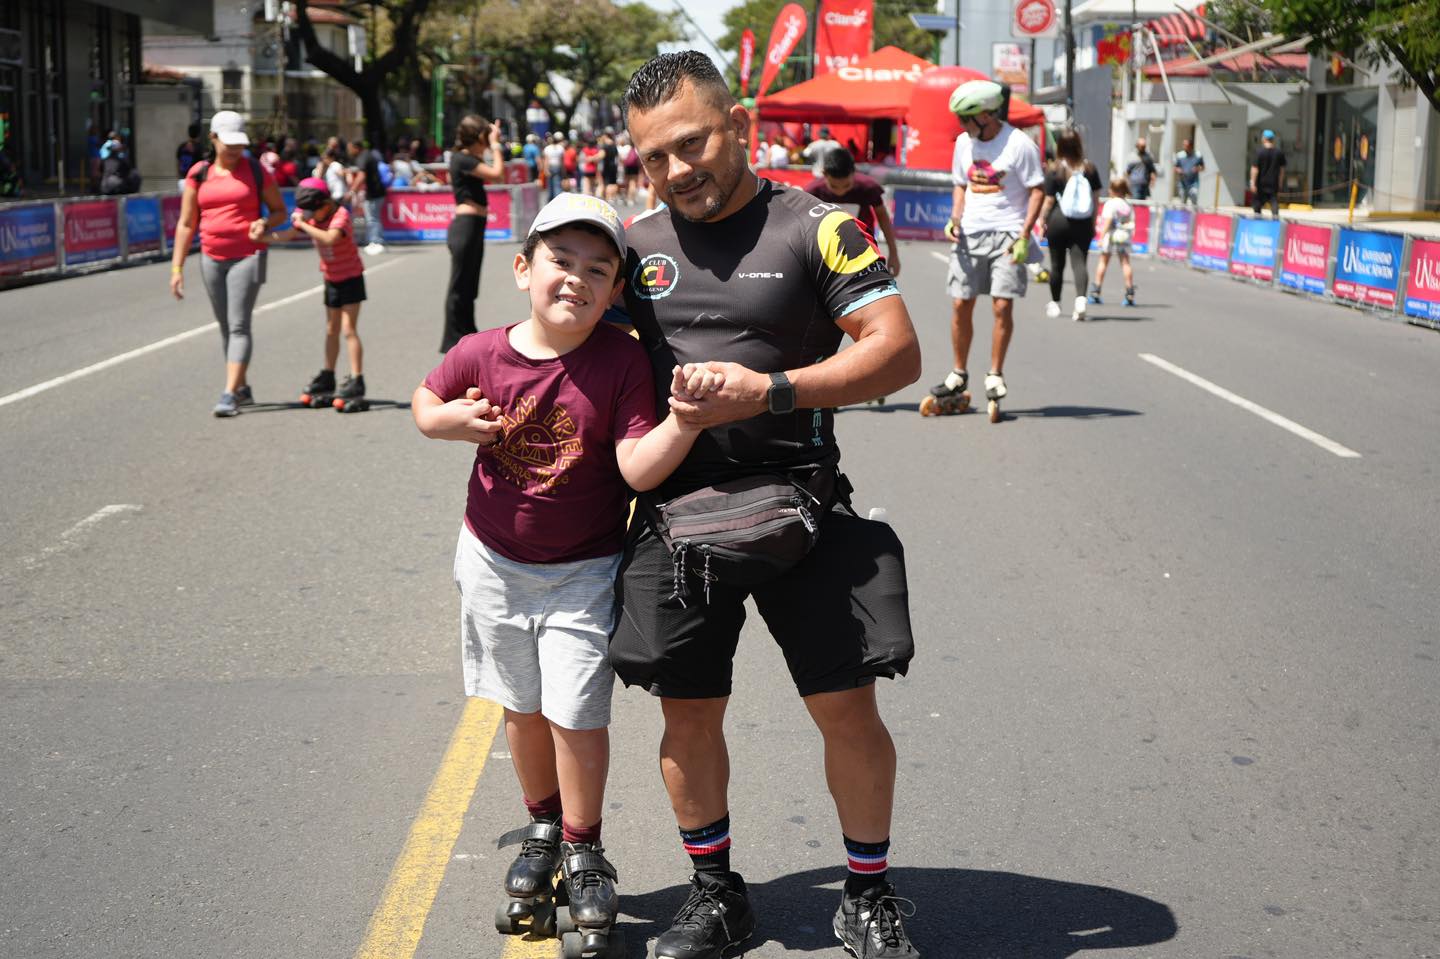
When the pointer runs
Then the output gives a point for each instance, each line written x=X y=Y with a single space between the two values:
x=976 y=96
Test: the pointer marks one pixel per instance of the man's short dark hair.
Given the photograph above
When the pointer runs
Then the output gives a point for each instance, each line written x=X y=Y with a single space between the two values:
x=837 y=163
x=662 y=78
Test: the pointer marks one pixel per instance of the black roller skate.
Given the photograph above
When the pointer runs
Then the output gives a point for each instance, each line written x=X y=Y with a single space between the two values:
x=949 y=397
x=1129 y=296
x=715 y=919
x=870 y=924
x=587 y=927
x=530 y=882
x=350 y=398
x=321 y=390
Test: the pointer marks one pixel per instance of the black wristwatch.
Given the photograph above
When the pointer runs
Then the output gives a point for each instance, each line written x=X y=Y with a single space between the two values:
x=781 y=395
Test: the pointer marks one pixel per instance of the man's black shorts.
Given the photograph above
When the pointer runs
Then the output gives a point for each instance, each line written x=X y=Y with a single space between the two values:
x=345 y=292
x=841 y=617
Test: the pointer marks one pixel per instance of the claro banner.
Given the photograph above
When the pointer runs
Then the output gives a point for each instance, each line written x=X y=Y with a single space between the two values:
x=747 y=60
x=789 y=27
x=843 y=31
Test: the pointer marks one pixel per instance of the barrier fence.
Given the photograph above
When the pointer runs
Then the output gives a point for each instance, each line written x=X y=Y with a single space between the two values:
x=79 y=235
x=1381 y=271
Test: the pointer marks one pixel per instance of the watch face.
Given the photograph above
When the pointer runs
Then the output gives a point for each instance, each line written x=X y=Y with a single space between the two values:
x=781 y=396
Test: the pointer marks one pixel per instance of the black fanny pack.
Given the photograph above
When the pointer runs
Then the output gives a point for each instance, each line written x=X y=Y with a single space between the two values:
x=746 y=531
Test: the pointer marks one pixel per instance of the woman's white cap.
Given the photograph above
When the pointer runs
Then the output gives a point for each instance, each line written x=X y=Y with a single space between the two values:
x=229 y=126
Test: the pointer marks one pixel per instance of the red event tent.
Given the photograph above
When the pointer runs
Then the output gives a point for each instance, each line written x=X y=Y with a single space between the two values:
x=876 y=88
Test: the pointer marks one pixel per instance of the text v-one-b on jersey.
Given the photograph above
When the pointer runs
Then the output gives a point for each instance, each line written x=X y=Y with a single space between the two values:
x=762 y=288
x=998 y=175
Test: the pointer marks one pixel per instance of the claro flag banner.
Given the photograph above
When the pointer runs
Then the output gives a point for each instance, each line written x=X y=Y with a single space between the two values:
x=789 y=28
x=747 y=60
x=843 y=32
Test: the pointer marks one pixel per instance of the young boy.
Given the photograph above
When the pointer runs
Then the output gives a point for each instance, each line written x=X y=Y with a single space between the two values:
x=328 y=224
x=563 y=412
x=1115 y=227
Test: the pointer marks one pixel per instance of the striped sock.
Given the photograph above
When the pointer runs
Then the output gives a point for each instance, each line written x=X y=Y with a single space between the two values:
x=709 y=847
x=869 y=862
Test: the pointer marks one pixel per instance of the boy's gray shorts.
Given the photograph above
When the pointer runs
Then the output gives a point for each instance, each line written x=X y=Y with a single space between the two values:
x=981 y=265
x=535 y=637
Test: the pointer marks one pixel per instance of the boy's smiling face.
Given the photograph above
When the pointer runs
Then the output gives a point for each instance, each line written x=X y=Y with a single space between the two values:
x=572 y=279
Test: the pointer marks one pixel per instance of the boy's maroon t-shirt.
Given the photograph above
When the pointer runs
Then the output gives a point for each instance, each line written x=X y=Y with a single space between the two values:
x=550 y=489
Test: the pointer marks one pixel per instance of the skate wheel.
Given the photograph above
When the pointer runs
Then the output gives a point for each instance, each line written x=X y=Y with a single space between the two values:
x=304 y=399
x=929 y=406
x=994 y=408
x=572 y=946
x=564 y=922
x=504 y=924
x=338 y=403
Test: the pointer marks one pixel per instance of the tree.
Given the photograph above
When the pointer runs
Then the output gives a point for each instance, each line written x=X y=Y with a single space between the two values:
x=403 y=25
x=1373 y=31
x=892 y=28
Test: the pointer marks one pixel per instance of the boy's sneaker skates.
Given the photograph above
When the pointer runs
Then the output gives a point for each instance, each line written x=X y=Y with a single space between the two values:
x=714 y=919
x=870 y=925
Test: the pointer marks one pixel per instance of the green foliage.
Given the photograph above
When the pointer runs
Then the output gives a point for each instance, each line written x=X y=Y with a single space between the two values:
x=1405 y=31
x=1243 y=19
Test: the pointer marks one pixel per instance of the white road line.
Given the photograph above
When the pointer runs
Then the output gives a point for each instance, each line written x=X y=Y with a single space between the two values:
x=38 y=388
x=70 y=538
x=1325 y=443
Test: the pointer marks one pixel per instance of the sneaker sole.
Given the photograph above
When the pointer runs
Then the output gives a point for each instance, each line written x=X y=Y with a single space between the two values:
x=225 y=414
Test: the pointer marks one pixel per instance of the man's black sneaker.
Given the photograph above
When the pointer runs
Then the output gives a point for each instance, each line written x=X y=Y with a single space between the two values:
x=714 y=919
x=870 y=924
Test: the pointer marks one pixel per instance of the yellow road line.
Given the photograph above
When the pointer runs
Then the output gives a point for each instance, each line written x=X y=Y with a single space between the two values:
x=395 y=928
x=527 y=948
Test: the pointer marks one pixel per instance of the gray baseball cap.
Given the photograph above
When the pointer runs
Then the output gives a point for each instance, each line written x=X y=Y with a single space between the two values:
x=570 y=208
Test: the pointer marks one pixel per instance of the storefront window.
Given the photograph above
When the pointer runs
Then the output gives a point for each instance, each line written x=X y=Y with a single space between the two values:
x=1346 y=145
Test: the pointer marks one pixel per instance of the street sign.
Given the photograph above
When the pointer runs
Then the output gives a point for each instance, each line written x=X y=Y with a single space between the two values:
x=1030 y=19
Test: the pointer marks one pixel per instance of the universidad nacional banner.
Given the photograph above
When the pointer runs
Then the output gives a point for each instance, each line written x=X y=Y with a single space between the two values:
x=1306 y=258
x=1175 y=234
x=92 y=231
x=27 y=238
x=1367 y=267
x=1211 y=246
x=1422 y=293
x=1252 y=252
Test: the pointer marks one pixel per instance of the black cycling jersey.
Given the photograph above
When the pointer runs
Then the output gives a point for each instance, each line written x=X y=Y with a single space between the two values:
x=761 y=288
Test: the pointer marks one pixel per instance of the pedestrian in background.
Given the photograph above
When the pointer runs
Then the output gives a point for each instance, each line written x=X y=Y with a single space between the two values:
x=1265 y=175
x=367 y=161
x=1072 y=185
x=1188 y=166
x=1117 y=225
x=1140 y=171
x=189 y=150
x=466 y=237
x=223 y=196
x=865 y=197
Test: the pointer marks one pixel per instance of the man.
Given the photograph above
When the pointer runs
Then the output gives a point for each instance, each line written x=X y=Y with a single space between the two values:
x=839 y=183
x=767 y=280
x=1265 y=175
x=1188 y=167
x=815 y=152
x=1141 y=172
x=189 y=150
x=995 y=202
x=367 y=162
x=531 y=153
x=117 y=175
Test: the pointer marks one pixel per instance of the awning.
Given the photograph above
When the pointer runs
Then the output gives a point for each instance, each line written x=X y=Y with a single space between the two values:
x=877 y=87
x=1126 y=11
x=1177 y=28
x=1275 y=52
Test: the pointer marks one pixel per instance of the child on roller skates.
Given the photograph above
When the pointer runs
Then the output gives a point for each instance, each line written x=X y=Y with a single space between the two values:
x=1116 y=226
x=329 y=226
x=562 y=410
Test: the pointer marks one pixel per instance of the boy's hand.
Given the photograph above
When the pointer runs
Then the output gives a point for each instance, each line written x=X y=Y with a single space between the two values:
x=482 y=420
x=694 y=380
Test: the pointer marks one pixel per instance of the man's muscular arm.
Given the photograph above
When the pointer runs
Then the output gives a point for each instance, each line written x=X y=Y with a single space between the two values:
x=884 y=358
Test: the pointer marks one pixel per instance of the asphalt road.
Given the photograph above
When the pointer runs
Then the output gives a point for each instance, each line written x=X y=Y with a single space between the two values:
x=1175 y=694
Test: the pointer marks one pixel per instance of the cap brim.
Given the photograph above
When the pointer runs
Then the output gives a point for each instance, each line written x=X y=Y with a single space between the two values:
x=236 y=139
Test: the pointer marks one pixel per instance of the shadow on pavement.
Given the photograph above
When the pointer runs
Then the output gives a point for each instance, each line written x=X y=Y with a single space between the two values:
x=1069 y=412
x=282 y=407
x=880 y=408
x=1119 y=317
x=960 y=914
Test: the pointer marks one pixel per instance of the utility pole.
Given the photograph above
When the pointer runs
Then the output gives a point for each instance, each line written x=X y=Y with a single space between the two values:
x=957 y=30
x=1069 y=28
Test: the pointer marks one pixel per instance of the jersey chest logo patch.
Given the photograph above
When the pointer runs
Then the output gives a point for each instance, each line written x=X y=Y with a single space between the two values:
x=656 y=276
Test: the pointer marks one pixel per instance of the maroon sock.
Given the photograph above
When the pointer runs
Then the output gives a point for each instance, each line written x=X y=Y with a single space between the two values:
x=547 y=809
x=572 y=833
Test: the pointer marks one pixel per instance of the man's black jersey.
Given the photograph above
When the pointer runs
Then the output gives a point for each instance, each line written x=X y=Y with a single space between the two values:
x=762 y=288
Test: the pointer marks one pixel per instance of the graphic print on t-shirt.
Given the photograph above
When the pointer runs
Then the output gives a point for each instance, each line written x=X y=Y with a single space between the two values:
x=845 y=246
x=984 y=178
x=535 y=453
x=655 y=277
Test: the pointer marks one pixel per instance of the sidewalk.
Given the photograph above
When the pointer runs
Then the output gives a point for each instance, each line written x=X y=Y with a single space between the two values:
x=1330 y=216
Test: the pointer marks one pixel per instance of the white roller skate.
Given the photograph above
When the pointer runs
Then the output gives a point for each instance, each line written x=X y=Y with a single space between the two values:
x=1078 y=314
x=1052 y=310
x=994 y=392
